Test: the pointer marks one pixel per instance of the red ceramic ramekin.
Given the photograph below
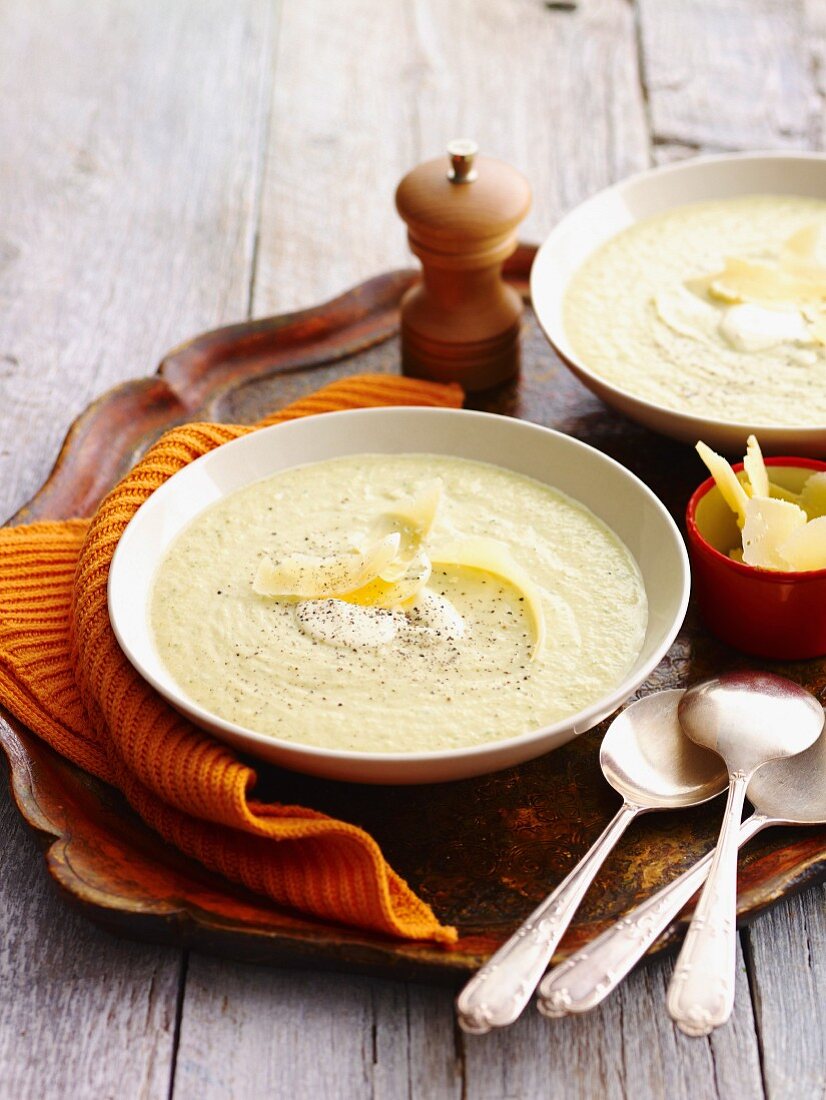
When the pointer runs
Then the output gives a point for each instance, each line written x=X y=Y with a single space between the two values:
x=764 y=612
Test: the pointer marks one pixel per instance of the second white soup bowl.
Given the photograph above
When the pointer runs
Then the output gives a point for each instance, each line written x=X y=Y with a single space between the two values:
x=595 y=221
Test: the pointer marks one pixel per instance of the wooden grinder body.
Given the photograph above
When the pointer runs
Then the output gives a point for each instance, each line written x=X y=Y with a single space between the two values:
x=462 y=322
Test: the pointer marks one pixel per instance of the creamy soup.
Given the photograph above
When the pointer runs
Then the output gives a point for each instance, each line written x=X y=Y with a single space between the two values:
x=397 y=603
x=715 y=309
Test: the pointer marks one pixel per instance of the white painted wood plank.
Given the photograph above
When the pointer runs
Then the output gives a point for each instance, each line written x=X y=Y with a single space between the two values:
x=384 y=86
x=129 y=147
x=814 y=32
x=81 y=1013
x=251 y=1031
x=733 y=74
x=248 y=1031
x=787 y=950
x=626 y=1048
x=417 y=1025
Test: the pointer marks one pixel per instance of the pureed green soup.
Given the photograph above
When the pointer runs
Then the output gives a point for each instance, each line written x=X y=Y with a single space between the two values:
x=479 y=654
x=714 y=309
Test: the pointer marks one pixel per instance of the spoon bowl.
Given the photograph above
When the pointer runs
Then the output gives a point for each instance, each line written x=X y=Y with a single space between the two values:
x=792 y=792
x=649 y=761
x=750 y=718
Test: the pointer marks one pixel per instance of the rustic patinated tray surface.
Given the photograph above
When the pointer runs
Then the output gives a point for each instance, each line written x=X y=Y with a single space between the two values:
x=482 y=851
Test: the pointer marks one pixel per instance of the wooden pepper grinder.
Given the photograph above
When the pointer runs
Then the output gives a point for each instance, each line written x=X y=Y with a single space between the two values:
x=461 y=323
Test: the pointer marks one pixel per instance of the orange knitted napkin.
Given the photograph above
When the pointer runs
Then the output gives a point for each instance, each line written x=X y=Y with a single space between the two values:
x=64 y=675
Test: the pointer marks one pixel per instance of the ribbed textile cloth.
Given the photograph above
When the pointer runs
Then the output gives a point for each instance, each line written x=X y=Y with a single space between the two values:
x=63 y=674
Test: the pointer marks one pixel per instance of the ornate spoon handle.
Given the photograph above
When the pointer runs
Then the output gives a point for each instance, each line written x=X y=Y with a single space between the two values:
x=497 y=994
x=701 y=992
x=585 y=980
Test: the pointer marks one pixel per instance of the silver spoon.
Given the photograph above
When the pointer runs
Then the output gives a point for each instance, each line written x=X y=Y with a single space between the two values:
x=791 y=791
x=648 y=760
x=749 y=718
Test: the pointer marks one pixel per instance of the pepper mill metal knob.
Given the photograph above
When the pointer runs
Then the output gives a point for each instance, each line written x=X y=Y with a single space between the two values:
x=462 y=322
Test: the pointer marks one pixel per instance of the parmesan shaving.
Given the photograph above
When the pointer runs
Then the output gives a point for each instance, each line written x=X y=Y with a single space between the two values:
x=764 y=284
x=413 y=521
x=730 y=488
x=310 y=577
x=768 y=525
x=755 y=468
x=419 y=514
x=401 y=581
x=491 y=556
x=813 y=495
x=805 y=548
x=399 y=590
x=804 y=251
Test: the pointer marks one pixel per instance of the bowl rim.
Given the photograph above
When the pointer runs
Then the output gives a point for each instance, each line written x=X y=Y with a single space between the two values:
x=698 y=539
x=578 y=721
x=687 y=421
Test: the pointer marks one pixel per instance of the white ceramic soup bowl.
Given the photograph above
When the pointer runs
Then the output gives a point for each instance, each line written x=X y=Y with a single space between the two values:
x=613 y=494
x=605 y=214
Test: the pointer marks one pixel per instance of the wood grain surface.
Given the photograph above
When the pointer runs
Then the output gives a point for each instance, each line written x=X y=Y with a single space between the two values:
x=166 y=167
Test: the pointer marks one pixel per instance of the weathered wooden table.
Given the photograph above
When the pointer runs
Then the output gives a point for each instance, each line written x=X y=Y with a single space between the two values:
x=166 y=167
